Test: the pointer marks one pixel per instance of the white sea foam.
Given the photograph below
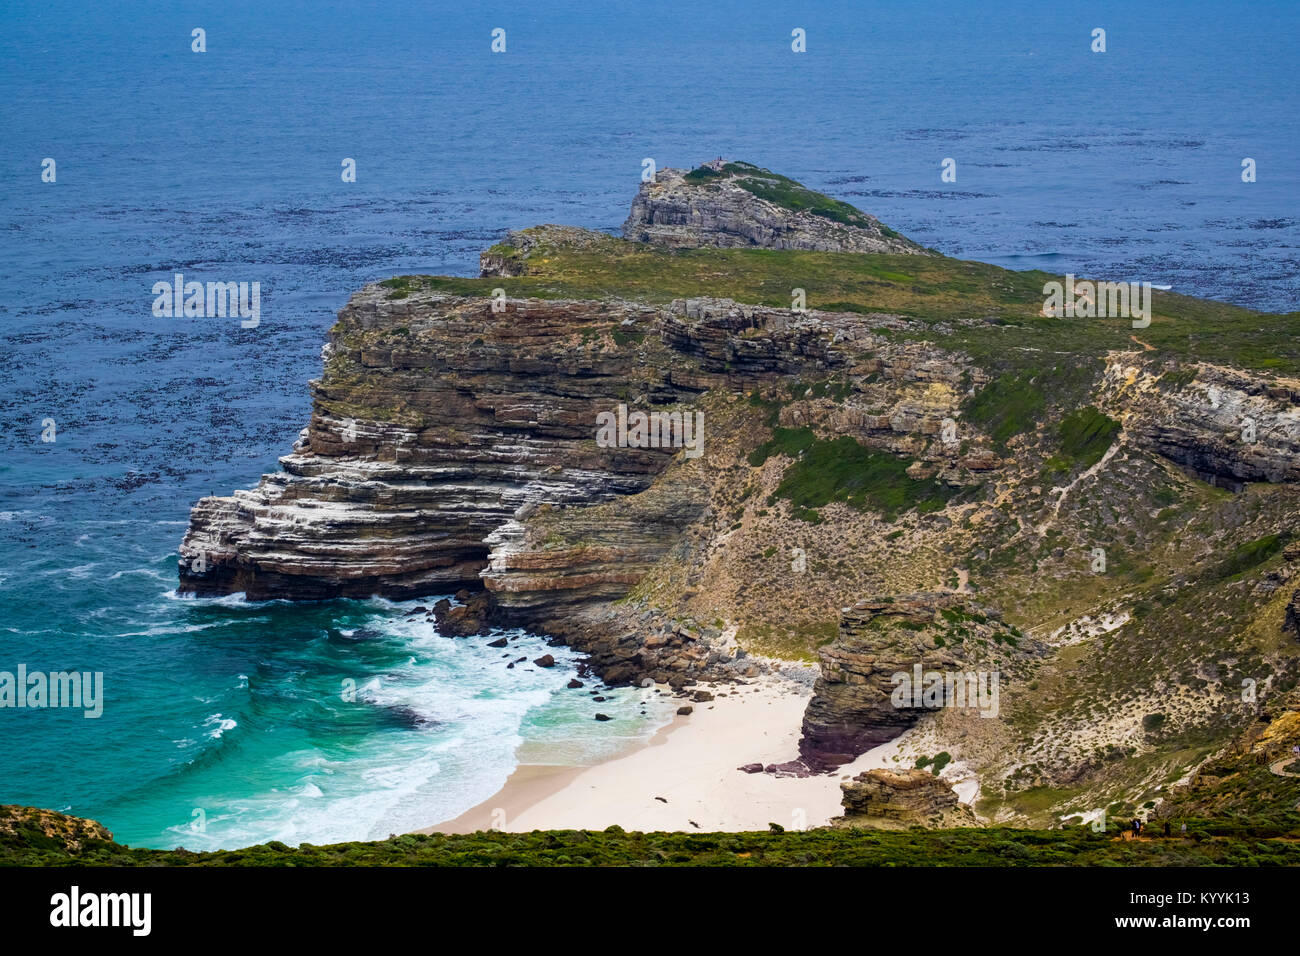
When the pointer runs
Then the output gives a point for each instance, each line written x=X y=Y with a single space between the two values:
x=219 y=725
x=147 y=572
x=479 y=714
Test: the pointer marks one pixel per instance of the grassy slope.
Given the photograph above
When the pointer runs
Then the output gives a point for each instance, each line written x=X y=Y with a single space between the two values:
x=991 y=312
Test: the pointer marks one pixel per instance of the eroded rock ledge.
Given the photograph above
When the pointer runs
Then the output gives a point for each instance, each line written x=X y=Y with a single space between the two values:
x=888 y=799
x=446 y=437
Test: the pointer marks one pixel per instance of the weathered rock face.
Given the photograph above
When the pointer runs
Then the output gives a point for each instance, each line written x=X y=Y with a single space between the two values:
x=1223 y=426
x=435 y=422
x=857 y=704
x=442 y=431
x=900 y=798
x=729 y=210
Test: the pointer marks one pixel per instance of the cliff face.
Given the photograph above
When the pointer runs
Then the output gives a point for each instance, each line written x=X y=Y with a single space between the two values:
x=739 y=205
x=435 y=421
x=1224 y=426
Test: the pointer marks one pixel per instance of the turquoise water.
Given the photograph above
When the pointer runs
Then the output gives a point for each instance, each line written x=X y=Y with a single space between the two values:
x=225 y=166
x=227 y=723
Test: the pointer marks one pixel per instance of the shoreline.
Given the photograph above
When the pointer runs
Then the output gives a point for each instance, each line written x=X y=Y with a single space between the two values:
x=685 y=777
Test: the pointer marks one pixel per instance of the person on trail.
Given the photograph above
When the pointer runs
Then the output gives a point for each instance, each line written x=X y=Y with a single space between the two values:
x=1169 y=828
x=1184 y=829
x=1137 y=826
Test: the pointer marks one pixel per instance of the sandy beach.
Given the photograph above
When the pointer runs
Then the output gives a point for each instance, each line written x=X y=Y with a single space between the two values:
x=685 y=778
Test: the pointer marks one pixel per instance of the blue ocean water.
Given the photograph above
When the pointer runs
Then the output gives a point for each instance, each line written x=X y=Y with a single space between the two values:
x=225 y=165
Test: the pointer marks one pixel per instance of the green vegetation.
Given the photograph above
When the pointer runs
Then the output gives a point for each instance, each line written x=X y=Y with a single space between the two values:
x=703 y=174
x=1075 y=846
x=935 y=763
x=791 y=442
x=1007 y=406
x=1251 y=554
x=994 y=314
x=786 y=193
x=1085 y=435
x=1177 y=378
x=841 y=469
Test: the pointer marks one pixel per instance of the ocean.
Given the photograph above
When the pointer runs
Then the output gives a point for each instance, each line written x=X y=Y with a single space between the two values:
x=226 y=722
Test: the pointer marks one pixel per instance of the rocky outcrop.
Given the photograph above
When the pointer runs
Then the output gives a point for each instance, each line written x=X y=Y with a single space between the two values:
x=901 y=798
x=1256 y=774
x=510 y=256
x=741 y=205
x=466 y=618
x=452 y=445
x=859 y=702
x=445 y=438
x=29 y=827
x=1221 y=425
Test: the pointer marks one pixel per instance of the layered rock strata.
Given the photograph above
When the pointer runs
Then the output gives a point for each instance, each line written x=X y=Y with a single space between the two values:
x=1224 y=426
x=435 y=423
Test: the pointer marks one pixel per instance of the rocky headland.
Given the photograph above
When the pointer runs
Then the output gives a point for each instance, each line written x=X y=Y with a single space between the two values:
x=916 y=468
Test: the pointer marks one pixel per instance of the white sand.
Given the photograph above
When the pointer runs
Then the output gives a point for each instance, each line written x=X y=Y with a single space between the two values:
x=692 y=764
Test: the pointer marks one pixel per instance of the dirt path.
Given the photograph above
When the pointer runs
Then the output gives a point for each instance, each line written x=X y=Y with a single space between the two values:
x=1277 y=765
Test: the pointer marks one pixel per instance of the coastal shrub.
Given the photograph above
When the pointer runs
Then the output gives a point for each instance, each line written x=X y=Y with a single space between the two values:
x=1086 y=435
x=702 y=174
x=1177 y=378
x=771 y=406
x=772 y=847
x=1251 y=554
x=791 y=442
x=788 y=194
x=1009 y=405
x=841 y=469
